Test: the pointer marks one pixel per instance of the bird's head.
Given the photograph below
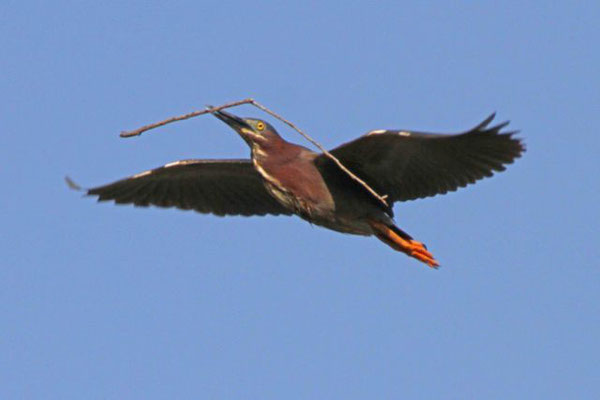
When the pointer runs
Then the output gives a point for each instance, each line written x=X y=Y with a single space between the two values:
x=255 y=132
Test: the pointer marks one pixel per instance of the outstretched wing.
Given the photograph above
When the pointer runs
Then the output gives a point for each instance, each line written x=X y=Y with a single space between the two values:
x=221 y=187
x=407 y=165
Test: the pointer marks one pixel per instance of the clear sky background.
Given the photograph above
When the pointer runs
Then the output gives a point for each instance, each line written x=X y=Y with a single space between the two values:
x=106 y=302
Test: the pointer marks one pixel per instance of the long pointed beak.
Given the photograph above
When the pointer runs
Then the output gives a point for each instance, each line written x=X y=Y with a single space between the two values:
x=237 y=124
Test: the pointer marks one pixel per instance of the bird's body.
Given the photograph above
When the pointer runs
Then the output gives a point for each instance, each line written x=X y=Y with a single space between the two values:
x=286 y=175
x=297 y=184
x=283 y=178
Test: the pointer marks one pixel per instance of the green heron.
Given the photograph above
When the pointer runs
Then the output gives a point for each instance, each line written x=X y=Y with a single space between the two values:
x=283 y=178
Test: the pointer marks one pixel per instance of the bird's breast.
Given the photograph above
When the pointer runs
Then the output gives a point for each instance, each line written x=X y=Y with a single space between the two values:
x=297 y=185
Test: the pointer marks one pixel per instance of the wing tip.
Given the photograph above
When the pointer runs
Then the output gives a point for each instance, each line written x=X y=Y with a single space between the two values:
x=496 y=130
x=486 y=121
x=72 y=184
x=518 y=142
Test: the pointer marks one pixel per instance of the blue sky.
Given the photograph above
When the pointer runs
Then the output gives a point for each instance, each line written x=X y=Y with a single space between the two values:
x=100 y=301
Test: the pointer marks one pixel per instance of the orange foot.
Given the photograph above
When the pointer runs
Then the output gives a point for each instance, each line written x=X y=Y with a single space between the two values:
x=408 y=246
x=419 y=251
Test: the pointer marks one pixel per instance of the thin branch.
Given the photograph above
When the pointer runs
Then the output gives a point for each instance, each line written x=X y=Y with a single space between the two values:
x=211 y=109
x=139 y=131
x=382 y=199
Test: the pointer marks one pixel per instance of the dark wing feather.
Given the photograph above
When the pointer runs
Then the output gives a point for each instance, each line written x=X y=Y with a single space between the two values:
x=407 y=165
x=221 y=187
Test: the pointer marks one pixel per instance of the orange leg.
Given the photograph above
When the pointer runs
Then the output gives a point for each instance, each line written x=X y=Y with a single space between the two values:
x=408 y=246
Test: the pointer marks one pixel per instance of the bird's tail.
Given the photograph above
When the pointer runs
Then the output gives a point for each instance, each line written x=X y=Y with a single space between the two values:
x=399 y=240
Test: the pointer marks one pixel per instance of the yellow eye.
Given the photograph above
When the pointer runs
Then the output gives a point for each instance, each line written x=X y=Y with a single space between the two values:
x=260 y=126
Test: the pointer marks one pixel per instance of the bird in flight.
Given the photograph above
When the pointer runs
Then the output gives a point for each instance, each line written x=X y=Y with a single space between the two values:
x=283 y=178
